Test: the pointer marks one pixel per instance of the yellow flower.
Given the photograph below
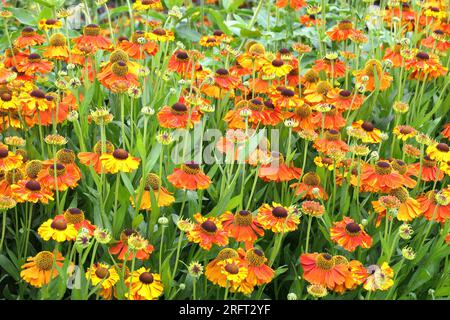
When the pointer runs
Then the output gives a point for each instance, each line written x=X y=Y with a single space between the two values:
x=234 y=271
x=57 y=229
x=144 y=285
x=439 y=152
x=102 y=273
x=119 y=161
x=404 y=132
x=277 y=67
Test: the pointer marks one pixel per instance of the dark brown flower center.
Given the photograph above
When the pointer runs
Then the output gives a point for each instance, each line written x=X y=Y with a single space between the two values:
x=146 y=277
x=353 y=228
x=443 y=147
x=279 y=212
x=179 y=107
x=222 y=72
x=287 y=93
x=182 y=55
x=277 y=63
x=59 y=224
x=269 y=104
x=36 y=93
x=33 y=185
x=345 y=93
x=159 y=32
x=102 y=273
x=3 y=153
x=120 y=154
x=6 y=96
x=367 y=126
x=51 y=21
x=422 y=56
x=232 y=268
x=209 y=226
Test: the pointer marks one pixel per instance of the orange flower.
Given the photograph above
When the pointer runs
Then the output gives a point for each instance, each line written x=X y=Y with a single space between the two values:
x=405 y=171
x=34 y=64
x=294 y=4
x=310 y=187
x=259 y=272
x=28 y=37
x=277 y=170
x=178 y=116
x=342 y=31
x=181 y=63
x=366 y=76
x=321 y=268
x=92 y=159
x=350 y=235
x=310 y=20
x=189 y=176
x=57 y=48
x=394 y=55
x=38 y=270
x=224 y=83
x=207 y=231
x=136 y=50
x=65 y=177
x=91 y=35
x=213 y=271
x=381 y=176
x=345 y=100
x=162 y=196
x=304 y=115
x=285 y=98
x=31 y=191
x=120 y=77
x=333 y=68
x=12 y=58
x=278 y=218
x=429 y=171
x=241 y=226
x=331 y=119
x=446 y=131
x=409 y=208
x=331 y=141
x=356 y=276
x=436 y=40
x=435 y=205
x=425 y=66
x=121 y=248
x=9 y=160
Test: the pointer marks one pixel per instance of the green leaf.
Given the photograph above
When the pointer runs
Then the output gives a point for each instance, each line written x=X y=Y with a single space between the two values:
x=137 y=220
x=186 y=33
x=24 y=16
x=9 y=267
x=231 y=5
